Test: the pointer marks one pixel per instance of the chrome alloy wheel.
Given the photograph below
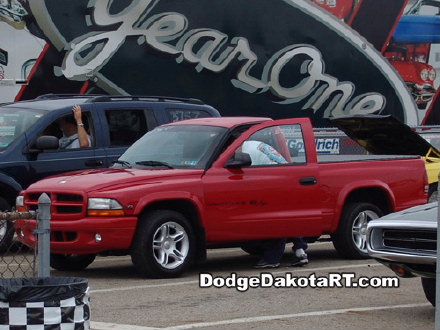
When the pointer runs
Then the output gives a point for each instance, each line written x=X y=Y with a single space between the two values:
x=3 y=229
x=359 y=229
x=170 y=245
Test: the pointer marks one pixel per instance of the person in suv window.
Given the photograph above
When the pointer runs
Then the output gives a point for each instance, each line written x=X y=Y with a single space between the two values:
x=74 y=133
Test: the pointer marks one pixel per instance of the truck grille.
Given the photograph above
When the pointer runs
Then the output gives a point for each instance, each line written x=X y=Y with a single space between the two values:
x=69 y=206
x=421 y=240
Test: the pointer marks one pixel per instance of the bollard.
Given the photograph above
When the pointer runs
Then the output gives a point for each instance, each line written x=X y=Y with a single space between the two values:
x=43 y=233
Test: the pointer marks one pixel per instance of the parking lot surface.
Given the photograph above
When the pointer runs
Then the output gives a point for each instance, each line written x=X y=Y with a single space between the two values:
x=120 y=299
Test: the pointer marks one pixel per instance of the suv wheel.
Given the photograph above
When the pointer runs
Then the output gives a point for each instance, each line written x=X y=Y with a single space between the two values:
x=163 y=245
x=350 y=239
x=6 y=228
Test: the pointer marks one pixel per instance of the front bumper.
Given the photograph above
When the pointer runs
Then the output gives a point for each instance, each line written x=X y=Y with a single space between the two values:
x=410 y=270
x=407 y=247
x=80 y=236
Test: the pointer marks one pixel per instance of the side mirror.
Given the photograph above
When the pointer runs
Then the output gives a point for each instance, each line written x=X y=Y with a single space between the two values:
x=238 y=160
x=47 y=142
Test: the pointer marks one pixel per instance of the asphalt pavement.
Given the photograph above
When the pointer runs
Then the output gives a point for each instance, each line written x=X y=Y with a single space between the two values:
x=120 y=299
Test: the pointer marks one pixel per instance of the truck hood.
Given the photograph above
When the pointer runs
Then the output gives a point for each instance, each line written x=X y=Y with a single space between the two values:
x=101 y=179
x=385 y=135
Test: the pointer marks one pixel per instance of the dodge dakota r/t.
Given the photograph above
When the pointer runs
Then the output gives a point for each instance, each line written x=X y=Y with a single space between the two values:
x=215 y=182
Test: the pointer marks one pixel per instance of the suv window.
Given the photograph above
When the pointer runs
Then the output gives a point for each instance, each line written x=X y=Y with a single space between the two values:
x=126 y=126
x=54 y=128
x=182 y=114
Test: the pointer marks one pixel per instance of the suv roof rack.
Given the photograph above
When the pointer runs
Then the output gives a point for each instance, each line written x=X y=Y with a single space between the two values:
x=108 y=98
x=61 y=96
x=93 y=98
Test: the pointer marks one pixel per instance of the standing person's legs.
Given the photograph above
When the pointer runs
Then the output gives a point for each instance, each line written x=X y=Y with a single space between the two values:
x=299 y=250
x=273 y=253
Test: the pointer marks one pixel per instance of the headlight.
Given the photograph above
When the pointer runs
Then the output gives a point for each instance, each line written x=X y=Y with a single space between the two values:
x=424 y=74
x=19 y=204
x=104 y=207
x=19 y=201
x=432 y=74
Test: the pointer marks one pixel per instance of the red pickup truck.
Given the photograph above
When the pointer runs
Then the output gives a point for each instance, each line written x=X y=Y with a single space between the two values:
x=216 y=182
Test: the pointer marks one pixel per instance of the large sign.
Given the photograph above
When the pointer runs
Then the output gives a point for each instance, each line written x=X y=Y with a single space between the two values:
x=279 y=58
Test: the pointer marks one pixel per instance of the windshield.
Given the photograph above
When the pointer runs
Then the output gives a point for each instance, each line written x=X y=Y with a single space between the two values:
x=179 y=146
x=14 y=122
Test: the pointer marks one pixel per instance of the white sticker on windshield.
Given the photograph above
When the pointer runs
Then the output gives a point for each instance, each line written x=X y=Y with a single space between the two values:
x=7 y=130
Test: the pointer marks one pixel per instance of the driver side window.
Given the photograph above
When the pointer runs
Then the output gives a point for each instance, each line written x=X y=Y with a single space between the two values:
x=55 y=129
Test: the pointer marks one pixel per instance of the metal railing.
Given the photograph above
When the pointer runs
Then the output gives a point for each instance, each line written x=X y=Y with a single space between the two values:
x=19 y=260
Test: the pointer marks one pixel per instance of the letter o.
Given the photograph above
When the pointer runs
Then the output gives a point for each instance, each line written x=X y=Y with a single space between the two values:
x=218 y=282
x=375 y=282
x=302 y=282
x=314 y=69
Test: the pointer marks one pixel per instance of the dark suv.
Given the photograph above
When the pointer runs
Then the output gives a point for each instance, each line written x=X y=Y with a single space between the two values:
x=113 y=123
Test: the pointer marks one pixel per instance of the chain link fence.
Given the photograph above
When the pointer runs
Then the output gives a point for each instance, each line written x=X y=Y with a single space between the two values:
x=16 y=259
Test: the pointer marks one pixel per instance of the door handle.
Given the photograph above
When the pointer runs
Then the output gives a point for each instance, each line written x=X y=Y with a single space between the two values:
x=93 y=162
x=308 y=181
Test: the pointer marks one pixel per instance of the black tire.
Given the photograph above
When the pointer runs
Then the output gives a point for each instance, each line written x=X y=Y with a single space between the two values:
x=6 y=228
x=69 y=262
x=174 y=244
x=428 y=285
x=351 y=243
x=433 y=193
x=253 y=249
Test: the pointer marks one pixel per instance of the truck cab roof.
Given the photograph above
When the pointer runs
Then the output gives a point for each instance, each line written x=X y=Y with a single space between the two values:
x=227 y=122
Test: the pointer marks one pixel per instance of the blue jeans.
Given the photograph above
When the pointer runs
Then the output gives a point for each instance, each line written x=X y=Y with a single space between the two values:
x=299 y=243
x=274 y=250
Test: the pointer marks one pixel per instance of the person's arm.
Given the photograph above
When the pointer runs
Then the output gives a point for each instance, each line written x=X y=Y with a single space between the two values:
x=83 y=138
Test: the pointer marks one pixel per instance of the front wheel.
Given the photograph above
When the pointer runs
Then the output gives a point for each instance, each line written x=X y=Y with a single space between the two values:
x=69 y=262
x=164 y=244
x=428 y=285
x=350 y=239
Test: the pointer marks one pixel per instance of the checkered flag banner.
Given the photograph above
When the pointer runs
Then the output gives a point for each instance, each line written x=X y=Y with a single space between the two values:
x=44 y=304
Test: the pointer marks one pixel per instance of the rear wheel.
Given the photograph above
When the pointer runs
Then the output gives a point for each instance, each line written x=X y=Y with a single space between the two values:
x=71 y=261
x=164 y=244
x=350 y=239
x=6 y=228
x=428 y=285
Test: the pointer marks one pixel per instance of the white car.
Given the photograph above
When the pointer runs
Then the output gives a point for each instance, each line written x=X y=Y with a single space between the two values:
x=406 y=242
